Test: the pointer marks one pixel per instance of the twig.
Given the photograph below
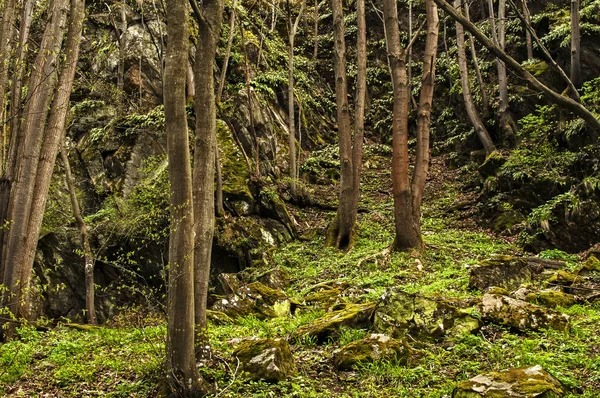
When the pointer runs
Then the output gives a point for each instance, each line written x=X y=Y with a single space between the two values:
x=233 y=379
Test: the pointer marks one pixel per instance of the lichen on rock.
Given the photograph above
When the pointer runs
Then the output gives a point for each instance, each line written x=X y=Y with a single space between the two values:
x=427 y=318
x=266 y=359
x=525 y=382
x=521 y=315
x=373 y=348
x=502 y=271
x=255 y=299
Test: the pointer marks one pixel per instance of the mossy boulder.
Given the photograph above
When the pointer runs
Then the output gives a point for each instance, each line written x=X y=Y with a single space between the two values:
x=227 y=283
x=520 y=314
x=255 y=299
x=551 y=298
x=218 y=318
x=502 y=271
x=352 y=315
x=266 y=359
x=525 y=382
x=374 y=347
x=427 y=318
x=492 y=164
x=563 y=278
x=591 y=266
x=323 y=298
x=276 y=278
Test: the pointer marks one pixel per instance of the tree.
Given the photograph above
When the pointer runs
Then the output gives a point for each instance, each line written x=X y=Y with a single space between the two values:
x=480 y=129
x=209 y=28
x=408 y=195
x=182 y=374
x=575 y=44
x=292 y=28
x=26 y=189
x=88 y=258
x=341 y=230
x=567 y=103
x=485 y=102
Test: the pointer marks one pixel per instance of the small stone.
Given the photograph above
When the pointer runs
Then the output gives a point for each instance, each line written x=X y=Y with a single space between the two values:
x=267 y=359
x=525 y=382
x=373 y=348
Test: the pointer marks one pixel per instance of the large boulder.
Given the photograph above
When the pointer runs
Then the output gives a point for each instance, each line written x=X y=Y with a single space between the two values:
x=352 y=315
x=255 y=299
x=521 y=315
x=503 y=271
x=526 y=382
x=267 y=359
x=399 y=314
x=374 y=347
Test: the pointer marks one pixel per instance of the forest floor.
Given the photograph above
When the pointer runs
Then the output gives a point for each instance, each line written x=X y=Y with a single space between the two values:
x=124 y=358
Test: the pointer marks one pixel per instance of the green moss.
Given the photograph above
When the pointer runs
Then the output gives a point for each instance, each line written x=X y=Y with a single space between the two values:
x=551 y=299
x=372 y=348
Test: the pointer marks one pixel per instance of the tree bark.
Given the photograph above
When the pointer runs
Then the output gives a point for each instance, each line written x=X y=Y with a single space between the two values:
x=227 y=52
x=528 y=37
x=54 y=136
x=407 y=236
x=534 y=84
x=485 y=102
x=316 y=31
x=292 y=28
x=575 y=44
x=85 y=241
x=424 y=112
x=209 y=28
x=6 y=36
x=41 y=86
x=339 y=234
x=480 y=129
x=182 y=375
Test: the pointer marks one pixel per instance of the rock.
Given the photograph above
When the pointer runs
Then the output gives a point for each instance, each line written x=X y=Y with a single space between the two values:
x=521 y=315
x=551 y=298
x=502 y=271
x=218 y=318
x=324 y=298
x=255 y=299
x=352 y=315
x=526 y=382
x=373 y=348
x=492 y=164
x=276 y=279
x=591 y=265
x=399 y=313
x=563 y=278
x=227 y=284
x=267 y=359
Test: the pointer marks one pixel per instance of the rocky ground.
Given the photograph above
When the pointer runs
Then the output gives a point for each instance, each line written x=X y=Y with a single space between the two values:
x=472 y=315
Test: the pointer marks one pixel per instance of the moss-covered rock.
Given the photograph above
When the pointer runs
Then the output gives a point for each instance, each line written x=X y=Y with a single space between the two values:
x=255 y=299
x=227 y=284
x=323 y=298
x=521 y=315
x=276 y=278
x=373 y=348
x=492 y=164
x=591 y=265
x=266 y=359
x=551 y=298
x=218 y=318
x=503 y=271
x=399 y=313
x=563 y=278
x=526 y=382
x=352 y=315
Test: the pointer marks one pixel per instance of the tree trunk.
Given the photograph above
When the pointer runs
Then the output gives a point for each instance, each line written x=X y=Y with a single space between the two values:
x=316 y=34
x=527 y=32
x=507 y=124
x=534 y=84
x=292 y=28
x=485 y=102
x=407 y=236
x=85 y=241
x=209 y=28
x=480 y=129
x=339 y=234
x=249 y=102
x=6 y=36
x=41 y=86
x=54 y=136
x=227 y=52
x=182 y=374
x=424 y=112
x=575 y=44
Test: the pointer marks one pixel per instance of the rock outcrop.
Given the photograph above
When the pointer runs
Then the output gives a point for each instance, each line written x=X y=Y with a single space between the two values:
x=266 y=359
x=374 y=347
